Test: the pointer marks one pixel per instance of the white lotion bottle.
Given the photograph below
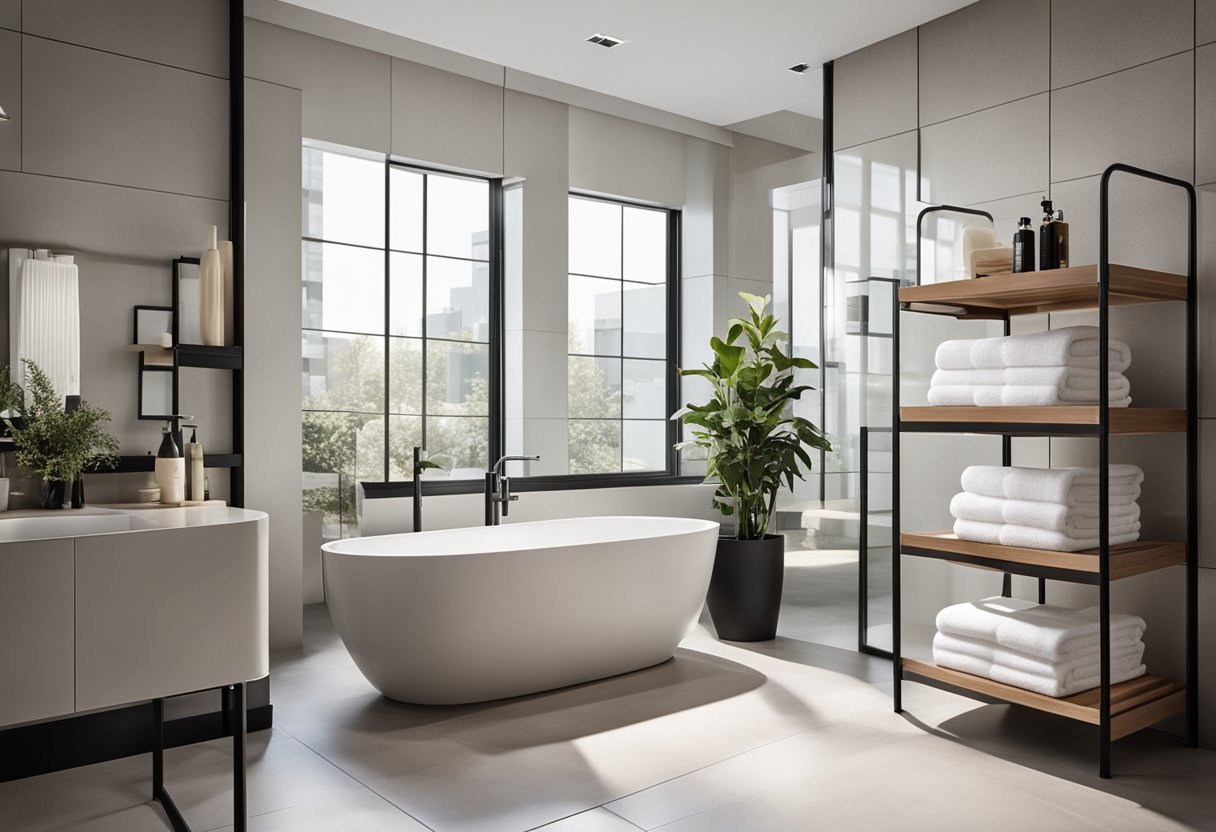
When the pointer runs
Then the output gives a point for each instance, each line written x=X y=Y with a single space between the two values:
x=211 y=293
x=170 y=470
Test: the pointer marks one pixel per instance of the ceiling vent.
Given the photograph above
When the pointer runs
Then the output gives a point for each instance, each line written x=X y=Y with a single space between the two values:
x=606 y=41
x=798 y=68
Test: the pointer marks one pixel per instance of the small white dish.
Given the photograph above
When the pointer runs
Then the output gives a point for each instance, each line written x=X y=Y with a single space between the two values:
x=149 y=495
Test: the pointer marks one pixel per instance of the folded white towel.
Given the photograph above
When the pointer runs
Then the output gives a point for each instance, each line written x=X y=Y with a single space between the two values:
x=1008 y=395
x=1052 y=516
x=1074 y=346
x=1125 y=651
x=1065 y=486
x=1042 y=630
x=1028 y=537
x=1046 y=685
x=1071 y=378
x=1087 y=495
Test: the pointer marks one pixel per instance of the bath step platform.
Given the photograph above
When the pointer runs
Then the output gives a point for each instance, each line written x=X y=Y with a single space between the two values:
x=1134 y=705
x=1126 y=559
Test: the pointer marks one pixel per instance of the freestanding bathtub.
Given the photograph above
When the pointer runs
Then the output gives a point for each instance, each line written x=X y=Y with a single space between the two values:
x=468 y=615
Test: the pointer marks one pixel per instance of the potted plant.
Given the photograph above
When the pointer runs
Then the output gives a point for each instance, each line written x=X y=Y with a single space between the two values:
x=754 y=444
x=58 y=445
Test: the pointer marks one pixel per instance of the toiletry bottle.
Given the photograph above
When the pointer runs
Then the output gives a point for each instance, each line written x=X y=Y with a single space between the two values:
x=170 y=469
x=1048 y=247
x=1023 y=247
x=194 y=464
x=211 y=293
x=1061 y=241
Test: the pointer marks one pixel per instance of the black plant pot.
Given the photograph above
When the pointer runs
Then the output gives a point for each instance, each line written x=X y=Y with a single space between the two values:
x=745 y=589
x=78 y=492
x=53 y=493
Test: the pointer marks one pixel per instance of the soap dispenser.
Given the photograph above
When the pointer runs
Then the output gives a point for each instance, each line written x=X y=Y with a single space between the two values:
x=1047 y=237
x=1023 y=247
x=170 y=470
x=1061 y=241
x=195 y=489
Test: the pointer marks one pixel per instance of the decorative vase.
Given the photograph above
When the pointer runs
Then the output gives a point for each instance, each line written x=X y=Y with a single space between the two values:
x=78 y=492
x=53 y=493
x=211 y=294
x=745 y=589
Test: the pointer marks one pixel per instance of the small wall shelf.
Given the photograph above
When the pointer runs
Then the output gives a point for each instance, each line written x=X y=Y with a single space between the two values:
x=147 y=463
x=1083 y=420
x=212 y=358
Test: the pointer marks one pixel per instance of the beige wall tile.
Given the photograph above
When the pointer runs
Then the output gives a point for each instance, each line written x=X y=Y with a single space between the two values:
x=1090 y=38
x=875 y=91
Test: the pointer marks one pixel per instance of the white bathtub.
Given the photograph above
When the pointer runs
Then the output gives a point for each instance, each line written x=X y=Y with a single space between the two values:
x=467 y=615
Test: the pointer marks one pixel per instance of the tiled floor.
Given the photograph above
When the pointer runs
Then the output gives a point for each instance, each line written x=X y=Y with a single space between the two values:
x=786 y=735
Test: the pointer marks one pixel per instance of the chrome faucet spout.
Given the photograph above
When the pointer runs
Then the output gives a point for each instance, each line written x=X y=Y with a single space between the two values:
x=497 y=469
x=498 y=488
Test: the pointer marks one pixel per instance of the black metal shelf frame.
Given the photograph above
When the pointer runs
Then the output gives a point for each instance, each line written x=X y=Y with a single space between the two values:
x=1102 y=433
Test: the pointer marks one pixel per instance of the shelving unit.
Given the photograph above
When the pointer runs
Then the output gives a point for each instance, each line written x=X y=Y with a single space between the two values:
x=1117 y=710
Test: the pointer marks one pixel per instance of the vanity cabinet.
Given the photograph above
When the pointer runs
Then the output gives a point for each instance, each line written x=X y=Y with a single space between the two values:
x=37 y=641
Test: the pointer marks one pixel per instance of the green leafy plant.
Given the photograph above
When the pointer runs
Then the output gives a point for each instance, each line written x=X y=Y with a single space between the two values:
x=12 y=399
x=56 y=445
x=754 y=442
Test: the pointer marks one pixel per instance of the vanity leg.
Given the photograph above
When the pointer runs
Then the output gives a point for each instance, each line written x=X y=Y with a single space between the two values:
x=239 y=813
x=158 y=747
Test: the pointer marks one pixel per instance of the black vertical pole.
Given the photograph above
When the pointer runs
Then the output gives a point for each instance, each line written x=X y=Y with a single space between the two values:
x=896 y=544
x=1104 y=713
x=158 y=747
x=236 y=230
x=863 y=542
x=239 y=796
x=417 y=527
x=1192 y=480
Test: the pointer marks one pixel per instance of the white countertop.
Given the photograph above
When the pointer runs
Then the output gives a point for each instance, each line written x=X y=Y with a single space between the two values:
x=41 y=524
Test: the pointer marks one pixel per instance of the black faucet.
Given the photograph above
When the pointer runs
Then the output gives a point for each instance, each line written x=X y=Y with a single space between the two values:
x=417 y=489
x=498 y=488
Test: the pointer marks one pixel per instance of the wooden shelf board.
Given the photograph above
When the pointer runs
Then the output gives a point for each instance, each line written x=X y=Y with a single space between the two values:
x=1124 y=421
x=1054 y=290
x=1126 y=559
x=1134 y=705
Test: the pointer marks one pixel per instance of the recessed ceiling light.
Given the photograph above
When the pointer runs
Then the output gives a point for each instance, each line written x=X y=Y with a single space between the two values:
x=798 y=68
x=606 y=41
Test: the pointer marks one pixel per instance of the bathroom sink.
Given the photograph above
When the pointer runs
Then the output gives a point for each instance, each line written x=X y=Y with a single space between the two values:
x=52 y=524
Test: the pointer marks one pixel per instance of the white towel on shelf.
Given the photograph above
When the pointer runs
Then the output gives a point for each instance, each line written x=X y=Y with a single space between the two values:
x=1126 y=651
x=1010 y=395
x=1042 y=630
x=1070 y=378
x=1074 y=346
x=1066 y=486
x=1053 y=516
x=1046 y=685
x=1028 y=537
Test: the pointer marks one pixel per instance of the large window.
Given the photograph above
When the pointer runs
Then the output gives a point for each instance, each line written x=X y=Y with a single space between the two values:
x=620 y=365
x=396 y=325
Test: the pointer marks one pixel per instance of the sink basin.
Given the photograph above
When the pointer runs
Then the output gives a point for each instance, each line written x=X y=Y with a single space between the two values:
x=54 y=524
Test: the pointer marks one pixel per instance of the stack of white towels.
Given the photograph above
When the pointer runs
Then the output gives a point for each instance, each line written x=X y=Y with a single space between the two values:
x=1045 y=508
x=1056 y=367
x=1049 y=650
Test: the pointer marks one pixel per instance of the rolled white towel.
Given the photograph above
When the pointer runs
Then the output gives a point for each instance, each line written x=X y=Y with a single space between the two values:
x=1056 y=687
x=1074 y=346
x=1028 y=537
x=1042 y=630
x=1126 y=650
x=1054 y=516
x=1075 y=378
x=1008 y=395
x=1065 y=486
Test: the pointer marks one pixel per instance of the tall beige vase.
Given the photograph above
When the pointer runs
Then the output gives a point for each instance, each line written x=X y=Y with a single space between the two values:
x=211 y=294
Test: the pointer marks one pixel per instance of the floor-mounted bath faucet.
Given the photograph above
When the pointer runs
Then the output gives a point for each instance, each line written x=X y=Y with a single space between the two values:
x=498 y=488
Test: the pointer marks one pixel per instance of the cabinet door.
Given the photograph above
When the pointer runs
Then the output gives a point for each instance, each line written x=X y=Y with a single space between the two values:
x=37 y=630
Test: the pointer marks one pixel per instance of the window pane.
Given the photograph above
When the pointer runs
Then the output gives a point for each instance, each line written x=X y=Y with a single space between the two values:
x=405 y=375
x=343 y=288
x=645 y=319
x=595 y=237
x=595 y=446
x=405 y=209
x=405 y=294
x=645 y=445
x=460 y=444
x=645 y=245
x=343 y=198
x=343 y=372
x=595 y=387
x=458 y=217
x=645 y=389
x=457 y=299
x=404 y=432
x=457 y=379
x=340 y=450
x=595 y=316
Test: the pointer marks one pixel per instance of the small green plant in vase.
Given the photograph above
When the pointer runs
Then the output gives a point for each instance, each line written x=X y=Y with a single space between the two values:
x=755 y=445
x=59 y=445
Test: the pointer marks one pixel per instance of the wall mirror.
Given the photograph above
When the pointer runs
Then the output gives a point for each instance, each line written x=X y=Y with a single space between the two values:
x=186 y=295
x=152 y=322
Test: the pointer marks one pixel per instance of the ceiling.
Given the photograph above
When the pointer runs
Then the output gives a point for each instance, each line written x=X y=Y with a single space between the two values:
x=718 y=61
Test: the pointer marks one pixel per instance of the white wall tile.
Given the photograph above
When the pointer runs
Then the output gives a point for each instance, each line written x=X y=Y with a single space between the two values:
x=982 y=55
x=105 y=118
x=190 y=34
x=1205 y=22
x=1141 y=116
x=617 y=157
x=446 y=119
x=346 y=89
x=10 y=100
x=992 y=154
x=875 y=91
x=705 y=248
x=1090 y=38
x=1205 y=114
